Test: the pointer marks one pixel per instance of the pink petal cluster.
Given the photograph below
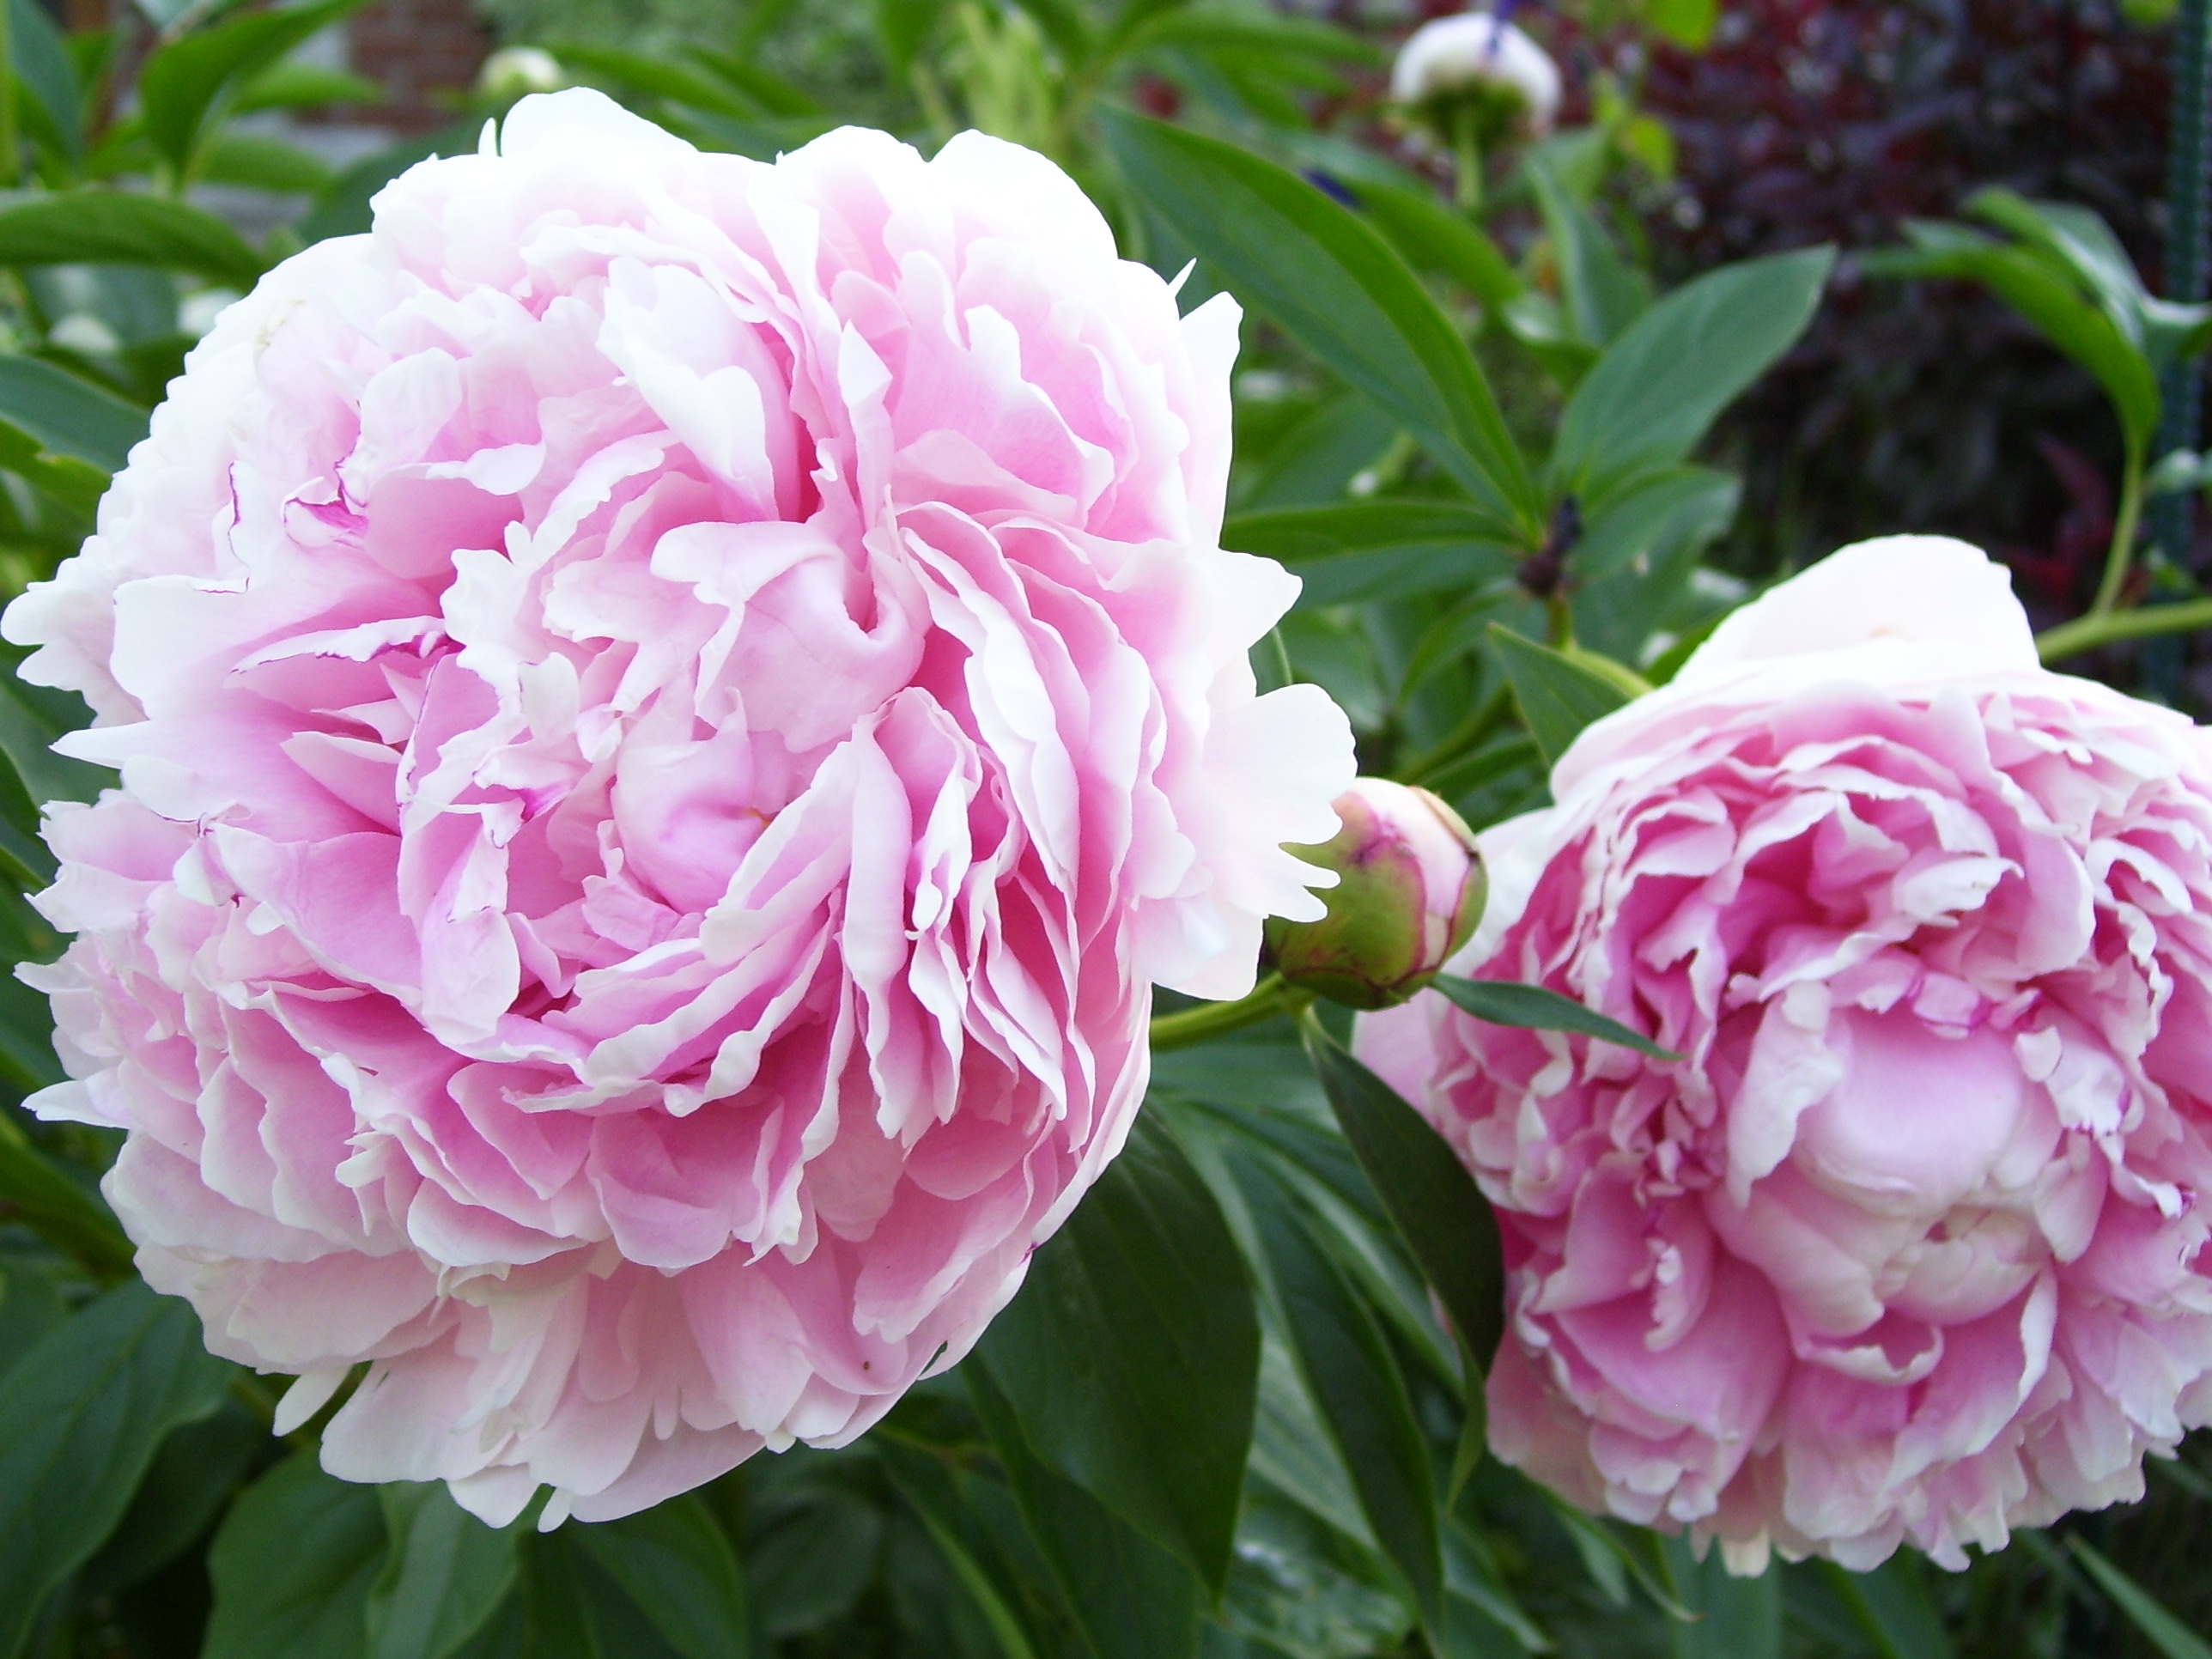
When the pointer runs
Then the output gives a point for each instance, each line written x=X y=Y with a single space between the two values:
x=670 y=711
x=1909 y=1245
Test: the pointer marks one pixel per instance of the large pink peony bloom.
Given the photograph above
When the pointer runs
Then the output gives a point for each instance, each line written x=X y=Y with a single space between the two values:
x=670 y=710
x=1907 y=1246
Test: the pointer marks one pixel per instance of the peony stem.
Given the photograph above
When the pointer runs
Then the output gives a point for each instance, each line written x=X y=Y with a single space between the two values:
x=1209 y=1020
x=2124 y=538
x=2110 y=626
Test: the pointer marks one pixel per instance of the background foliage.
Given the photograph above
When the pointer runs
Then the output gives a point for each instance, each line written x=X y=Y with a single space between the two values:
x=1521 y=464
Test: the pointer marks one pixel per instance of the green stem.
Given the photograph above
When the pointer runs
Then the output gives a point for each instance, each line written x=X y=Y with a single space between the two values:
x=2087 y=633
x=1209 y=1020
x=2123 y=538
x=1467 y=163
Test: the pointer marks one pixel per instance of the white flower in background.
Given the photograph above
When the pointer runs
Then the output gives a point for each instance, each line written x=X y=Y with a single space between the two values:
x=514 y=72
x=1473 y=53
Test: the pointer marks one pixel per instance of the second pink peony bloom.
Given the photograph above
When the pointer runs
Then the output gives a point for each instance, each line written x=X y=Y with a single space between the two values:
x=671 y=711
x=1909 y=1245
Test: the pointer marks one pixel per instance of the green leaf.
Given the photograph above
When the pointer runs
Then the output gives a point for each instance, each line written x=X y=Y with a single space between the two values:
x=772 y=93
x=1533 y=1008
x=80 y=1417
x=293 y=1567
x=1685 y=23
x=1642 y=522
x=183 y=83
x=67 y=415
x=42 y=63
x=1314 y=462
x=2159 y=1628
x=2049 y=300
x=1339 y=289
x=30 y=718
x=1433 y=238
x=675 y=1563
x=1355 y=1382
x=119 y=228
x=636 y=73
x=1432 y=1200
x=1892 y=1605
x=76 y=485
x=1735 y=1618
x=1357 y=552
x=1253 y=35
x=1604 y=295
x=197 y=1472
x=445 y=1574
x=1132 y=1355
x=901 y=26
x=1559 y=695
x=57 y=1209
x=1130 y=1598
x=1649 y=399
x=260 y=163
x=933 y=1494
x=305 y=86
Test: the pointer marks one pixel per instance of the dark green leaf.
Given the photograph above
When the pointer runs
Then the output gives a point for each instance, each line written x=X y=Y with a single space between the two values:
x=1357 y=552
x=1533 y=1008
x=1355 y=1382
x=29 y=1308
x=2047 y=299
x=42 y=63
x=80 y=1417
x=1314 y=462
x=292 y=1566
x=1893 y=1606
x=675 y=1563
x=63 y=1213
x=445 y=1574
x=185 y=81
x=30 y=718
x=73 y=484
x=1734 y=1617
x=1640 y=524
x=305 y=86
x=1604 y=295
x=811 y=1565
x=901 y=26
x=2159 y=1628
x=65 y=415
x=1559 y=695
x=195 y=1473
x=1434 y=238
x=1432 y=1200
x=1648 y=400
x=1130 y=1598
x=772 y=93
x=636 y=73
x=1132 y=1355
x=1341 y=291
x=114 y=226
x=1253 y=35
x=934 y=1496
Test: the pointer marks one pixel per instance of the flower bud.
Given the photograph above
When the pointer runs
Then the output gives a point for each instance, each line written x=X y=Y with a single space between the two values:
x=514 y=72
x=1471 y=59
x=1410 y=890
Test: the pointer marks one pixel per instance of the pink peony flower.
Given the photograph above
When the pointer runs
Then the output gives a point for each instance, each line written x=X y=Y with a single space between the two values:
x=670 y=709
x=1908 y=1246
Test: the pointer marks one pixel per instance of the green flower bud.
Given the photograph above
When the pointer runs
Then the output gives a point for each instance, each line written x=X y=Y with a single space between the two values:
x=1410 y=890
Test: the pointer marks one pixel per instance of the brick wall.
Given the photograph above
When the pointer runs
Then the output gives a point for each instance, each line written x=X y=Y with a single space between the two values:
x=418 y=49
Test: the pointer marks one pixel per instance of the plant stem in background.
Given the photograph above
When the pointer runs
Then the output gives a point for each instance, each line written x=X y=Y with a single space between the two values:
x=2188 y=252
x=1209 y=1020
x=2123 y=536
x=2110 y=626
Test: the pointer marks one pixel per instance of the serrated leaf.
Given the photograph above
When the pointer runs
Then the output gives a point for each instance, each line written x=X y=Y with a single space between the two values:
x=1648 y=400
x=80 y=1417
x=293 y=1565
x=1341 y=290
x=1129 y=1597
x=1533 y=1008
x=676 y=1565
x=119 y=227
x=1432 y=1201
x=444 y=1575
x=1558 y=695
x=1131 y=1357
